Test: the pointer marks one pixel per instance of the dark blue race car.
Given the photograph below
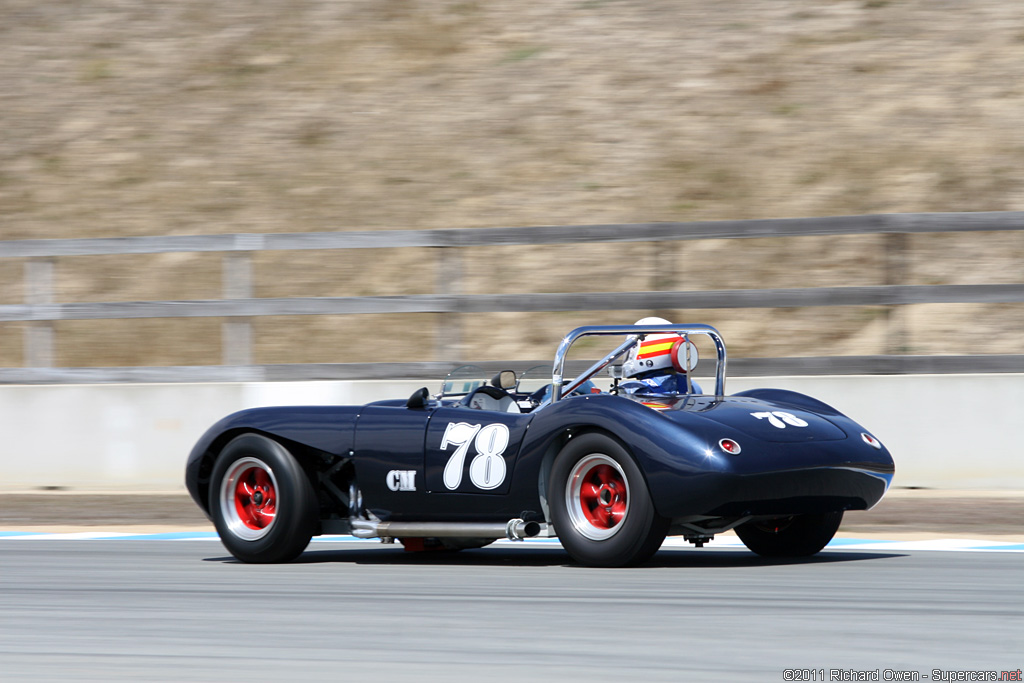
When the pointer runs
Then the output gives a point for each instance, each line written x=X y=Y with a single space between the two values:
x=610 y=473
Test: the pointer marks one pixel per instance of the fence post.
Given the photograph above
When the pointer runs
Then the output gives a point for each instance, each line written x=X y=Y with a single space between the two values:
x=897 y=272
x=236 y=333
x=448 y=282
x=39 y=343
x=664 y=274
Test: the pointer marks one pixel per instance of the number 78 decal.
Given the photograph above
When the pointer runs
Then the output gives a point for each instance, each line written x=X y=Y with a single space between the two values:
x=487 y=469
x=779 y=419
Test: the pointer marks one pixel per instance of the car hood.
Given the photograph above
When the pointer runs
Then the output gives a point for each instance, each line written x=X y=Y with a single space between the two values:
x=751 y=417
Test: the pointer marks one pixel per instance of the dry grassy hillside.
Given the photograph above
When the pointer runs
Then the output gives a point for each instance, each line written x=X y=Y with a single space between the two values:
x=127 y=118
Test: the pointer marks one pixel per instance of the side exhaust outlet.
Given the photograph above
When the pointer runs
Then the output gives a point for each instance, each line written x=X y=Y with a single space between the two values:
x=518 y=529
x=514 y=530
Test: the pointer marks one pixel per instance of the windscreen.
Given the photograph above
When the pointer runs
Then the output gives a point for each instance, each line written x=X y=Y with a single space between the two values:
x=463 y=380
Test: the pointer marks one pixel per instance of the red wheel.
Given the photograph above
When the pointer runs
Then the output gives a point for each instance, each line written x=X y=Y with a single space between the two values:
x=249 y=498
x=600 y=504
x=261 y=501
x=597 y=495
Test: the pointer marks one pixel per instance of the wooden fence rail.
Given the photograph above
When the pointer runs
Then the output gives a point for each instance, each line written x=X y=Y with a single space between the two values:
x=238 y=305
x=996 y=221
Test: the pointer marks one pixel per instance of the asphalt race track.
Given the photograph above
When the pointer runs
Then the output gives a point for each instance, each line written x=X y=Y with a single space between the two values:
x=101 y=610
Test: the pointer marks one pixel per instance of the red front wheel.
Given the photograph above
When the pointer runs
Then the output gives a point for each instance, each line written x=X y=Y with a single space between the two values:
x=261 y=500
x=249 y=498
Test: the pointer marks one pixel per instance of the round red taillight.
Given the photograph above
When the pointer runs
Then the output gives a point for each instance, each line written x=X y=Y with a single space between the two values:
x=729 y=446
x=871 y=441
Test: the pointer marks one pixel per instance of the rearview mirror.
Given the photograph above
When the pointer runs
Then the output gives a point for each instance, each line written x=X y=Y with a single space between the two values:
x=506 y=379
x=419 y=399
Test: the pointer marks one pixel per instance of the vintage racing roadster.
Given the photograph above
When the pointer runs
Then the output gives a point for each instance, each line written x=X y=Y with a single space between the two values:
x=610 y=473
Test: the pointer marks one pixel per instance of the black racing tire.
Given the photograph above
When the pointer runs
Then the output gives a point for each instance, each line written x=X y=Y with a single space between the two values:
x=796 y=536
x=600 y=505
x=261 y=501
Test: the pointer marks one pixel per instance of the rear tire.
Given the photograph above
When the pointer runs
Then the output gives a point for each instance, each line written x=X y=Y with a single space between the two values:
x=796 y=536
x=261 y=501
x=600 y=504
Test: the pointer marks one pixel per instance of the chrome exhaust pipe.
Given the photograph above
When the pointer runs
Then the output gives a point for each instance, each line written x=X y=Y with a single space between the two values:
x=513 y=530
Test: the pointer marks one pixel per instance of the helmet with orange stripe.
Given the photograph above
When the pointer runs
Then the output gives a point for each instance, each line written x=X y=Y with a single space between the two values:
x=659 y=353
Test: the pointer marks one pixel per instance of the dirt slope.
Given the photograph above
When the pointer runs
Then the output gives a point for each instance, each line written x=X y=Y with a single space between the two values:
x=120 y=118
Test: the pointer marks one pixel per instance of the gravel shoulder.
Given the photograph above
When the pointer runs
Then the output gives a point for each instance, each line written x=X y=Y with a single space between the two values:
x=902 y=514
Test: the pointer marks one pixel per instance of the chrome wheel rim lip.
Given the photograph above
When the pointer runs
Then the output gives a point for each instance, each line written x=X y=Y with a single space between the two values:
x=574 y=497
x=228 y=499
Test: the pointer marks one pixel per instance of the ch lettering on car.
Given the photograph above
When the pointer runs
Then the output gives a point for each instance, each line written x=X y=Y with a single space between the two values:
x=402 y=480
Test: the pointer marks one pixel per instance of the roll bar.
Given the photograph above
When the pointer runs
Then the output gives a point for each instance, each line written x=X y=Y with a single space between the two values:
x=634 y=333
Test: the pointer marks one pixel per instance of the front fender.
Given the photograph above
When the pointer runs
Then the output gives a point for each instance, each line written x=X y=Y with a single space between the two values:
x=327 y=429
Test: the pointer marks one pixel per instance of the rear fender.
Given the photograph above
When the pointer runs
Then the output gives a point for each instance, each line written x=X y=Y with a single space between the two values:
x=556 y=446
x=658 y=445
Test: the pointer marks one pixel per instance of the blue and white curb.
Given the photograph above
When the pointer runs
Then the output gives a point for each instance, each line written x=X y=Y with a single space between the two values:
x=722 y=543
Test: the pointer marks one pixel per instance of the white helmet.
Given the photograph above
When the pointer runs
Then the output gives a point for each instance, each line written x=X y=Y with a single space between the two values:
x=659 y=352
